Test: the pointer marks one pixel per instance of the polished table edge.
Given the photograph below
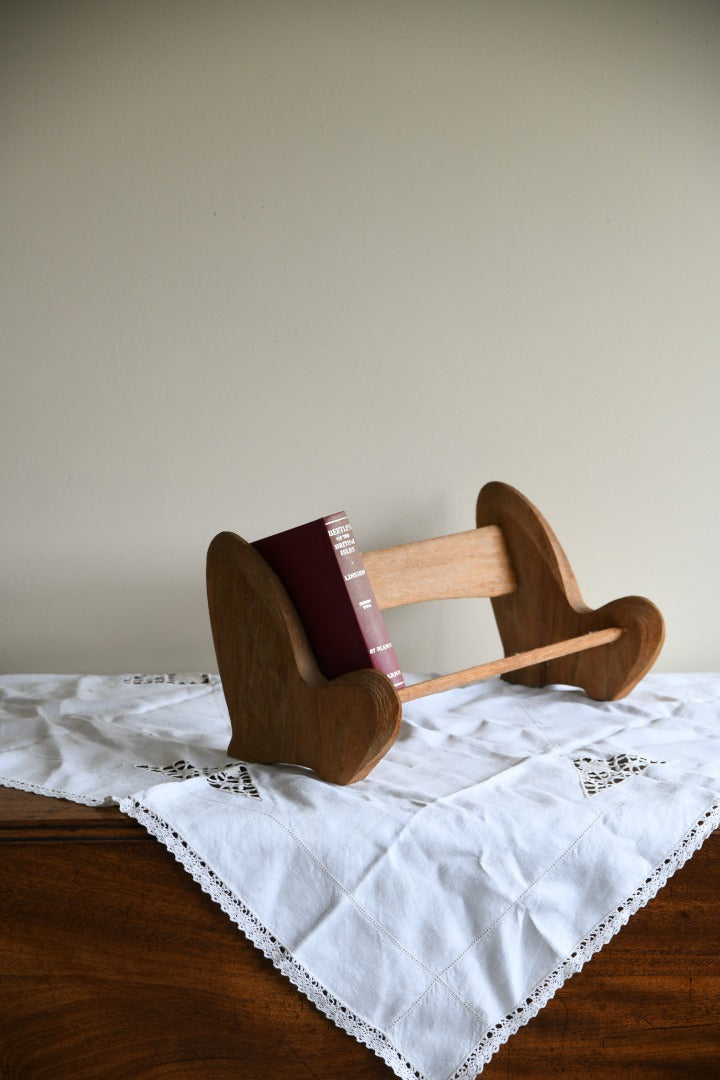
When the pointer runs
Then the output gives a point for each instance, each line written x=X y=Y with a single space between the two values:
x=29 y=815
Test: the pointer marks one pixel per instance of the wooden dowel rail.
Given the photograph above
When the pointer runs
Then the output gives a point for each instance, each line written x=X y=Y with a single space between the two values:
x=511 y=663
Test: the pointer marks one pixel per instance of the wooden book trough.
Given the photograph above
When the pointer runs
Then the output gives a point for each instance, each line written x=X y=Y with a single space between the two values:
x=283 y=710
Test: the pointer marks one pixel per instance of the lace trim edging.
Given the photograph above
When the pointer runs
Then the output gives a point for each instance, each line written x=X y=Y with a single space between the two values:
x=371 y=1037
x=598 y=937
x=52 y=793
x=268 y=944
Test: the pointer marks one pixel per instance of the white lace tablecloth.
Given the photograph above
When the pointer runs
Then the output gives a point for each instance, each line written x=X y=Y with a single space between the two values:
x=434 y=907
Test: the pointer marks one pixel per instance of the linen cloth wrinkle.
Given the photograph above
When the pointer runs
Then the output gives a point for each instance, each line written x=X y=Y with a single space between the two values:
x=507 y=912
x=434 y=907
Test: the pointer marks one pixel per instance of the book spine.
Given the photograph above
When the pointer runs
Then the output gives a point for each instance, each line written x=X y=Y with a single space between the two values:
x=371 y=623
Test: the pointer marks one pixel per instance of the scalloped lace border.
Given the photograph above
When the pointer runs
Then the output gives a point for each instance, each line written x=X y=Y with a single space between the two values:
x=51 y=793
x=586 y=949
x=371 y=1037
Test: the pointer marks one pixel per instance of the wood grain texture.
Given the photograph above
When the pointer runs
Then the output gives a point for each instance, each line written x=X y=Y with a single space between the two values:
x=115 y=966
x=473 y=563
x=282 y=708
x=547 y=606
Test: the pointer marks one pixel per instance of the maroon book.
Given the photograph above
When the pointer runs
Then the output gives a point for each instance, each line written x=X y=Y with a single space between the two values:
x=322 y=570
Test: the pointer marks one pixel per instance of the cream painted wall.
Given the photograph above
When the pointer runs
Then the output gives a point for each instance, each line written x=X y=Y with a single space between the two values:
x=261 y=261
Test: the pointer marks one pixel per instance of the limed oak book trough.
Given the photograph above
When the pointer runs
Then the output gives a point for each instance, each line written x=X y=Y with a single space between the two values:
x=283 y=709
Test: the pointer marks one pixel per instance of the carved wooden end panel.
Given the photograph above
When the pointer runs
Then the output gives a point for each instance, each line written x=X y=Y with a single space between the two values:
x=547 y=606
x=282 y=709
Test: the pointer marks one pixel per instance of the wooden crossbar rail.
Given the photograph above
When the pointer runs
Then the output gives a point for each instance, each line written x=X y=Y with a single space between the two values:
x=511 y=663
x=473 y=563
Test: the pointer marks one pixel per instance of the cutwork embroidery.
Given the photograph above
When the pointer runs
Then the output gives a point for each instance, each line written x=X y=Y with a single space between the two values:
x=597 y=774
x=181 y=769
x=237 y=780
x=176 y=680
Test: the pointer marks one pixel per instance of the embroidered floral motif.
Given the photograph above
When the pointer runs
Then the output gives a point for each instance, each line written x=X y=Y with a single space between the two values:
x=231 y=777
x=238 y=780
x=182 y=770
x=176 y=680
x=597 y=774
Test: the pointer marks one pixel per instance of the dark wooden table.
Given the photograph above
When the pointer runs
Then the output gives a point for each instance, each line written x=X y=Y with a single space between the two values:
x=113 y=964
